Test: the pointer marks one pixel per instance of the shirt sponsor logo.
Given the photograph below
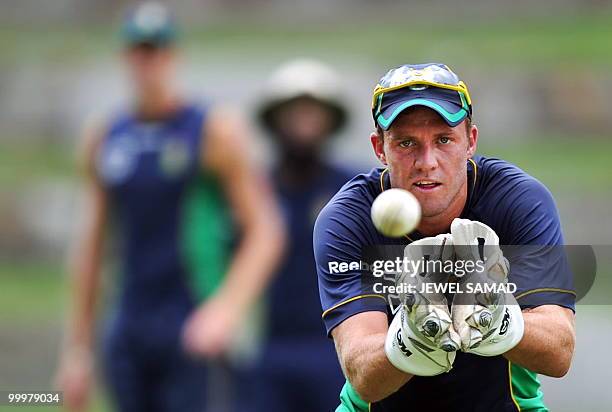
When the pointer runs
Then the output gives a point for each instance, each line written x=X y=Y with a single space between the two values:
x=117 y=160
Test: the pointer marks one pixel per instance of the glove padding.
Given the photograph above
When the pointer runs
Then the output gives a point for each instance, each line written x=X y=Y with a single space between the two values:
x=411 y=352
x=488 y=324
x=421 y=339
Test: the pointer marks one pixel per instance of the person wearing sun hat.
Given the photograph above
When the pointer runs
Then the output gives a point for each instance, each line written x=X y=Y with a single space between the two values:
x=301 y=110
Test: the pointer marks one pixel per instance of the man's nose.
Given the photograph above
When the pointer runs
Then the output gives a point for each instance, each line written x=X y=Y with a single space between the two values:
x=426 y=159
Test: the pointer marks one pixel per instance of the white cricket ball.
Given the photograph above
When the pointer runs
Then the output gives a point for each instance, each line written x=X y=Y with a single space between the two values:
x=396 y=212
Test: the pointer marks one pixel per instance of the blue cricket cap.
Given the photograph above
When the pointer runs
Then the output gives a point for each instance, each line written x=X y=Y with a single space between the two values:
x=431 y=85
x=149 y=23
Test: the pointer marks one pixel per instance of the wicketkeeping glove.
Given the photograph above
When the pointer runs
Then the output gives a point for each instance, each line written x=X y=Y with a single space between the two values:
x=421 y=339
x=488 y=323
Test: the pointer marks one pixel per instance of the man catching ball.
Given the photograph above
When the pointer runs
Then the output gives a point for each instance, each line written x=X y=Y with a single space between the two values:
x=437 y=352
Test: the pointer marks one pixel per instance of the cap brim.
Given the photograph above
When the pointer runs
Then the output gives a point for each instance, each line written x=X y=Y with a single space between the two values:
x=452 y=113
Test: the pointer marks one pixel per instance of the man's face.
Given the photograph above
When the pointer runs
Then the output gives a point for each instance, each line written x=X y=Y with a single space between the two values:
x=303 y=123
x=150 y=67
x=427 y=157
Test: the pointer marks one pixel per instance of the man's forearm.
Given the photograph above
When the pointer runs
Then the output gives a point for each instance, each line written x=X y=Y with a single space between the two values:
x=370 y=372
x=253 y=263
x=548 y=342
x=85 y=279
x=85 y=262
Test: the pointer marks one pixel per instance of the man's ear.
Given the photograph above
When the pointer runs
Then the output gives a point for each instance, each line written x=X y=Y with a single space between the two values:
x=472 y=141
x=378 y=144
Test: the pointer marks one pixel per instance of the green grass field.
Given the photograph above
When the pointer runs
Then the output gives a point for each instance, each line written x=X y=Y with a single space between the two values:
x=31 y=290
x=32 y=301
x=558 y=40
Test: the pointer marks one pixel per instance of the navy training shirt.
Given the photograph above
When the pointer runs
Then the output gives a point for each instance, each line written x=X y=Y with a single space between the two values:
x=293 y=301
x=146 y=167
x=520 y=209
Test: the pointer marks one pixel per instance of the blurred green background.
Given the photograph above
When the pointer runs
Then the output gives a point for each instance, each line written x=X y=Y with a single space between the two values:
x=540 y=75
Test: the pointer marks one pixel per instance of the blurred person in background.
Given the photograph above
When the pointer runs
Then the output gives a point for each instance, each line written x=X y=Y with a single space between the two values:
x=301 y=112
x=173 y=176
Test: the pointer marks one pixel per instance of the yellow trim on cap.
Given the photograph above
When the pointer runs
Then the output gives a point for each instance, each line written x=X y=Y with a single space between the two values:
x=461 y=87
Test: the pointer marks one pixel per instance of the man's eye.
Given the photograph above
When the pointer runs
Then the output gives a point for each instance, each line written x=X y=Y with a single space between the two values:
x=406 y=143
x=444 y=140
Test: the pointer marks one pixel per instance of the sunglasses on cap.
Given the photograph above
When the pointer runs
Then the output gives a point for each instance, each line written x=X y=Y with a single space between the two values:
x=431 y=84
x=432 y=74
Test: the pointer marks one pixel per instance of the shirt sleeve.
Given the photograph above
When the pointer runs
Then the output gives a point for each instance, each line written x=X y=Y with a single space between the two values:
x=340 y=234
x=538 y=260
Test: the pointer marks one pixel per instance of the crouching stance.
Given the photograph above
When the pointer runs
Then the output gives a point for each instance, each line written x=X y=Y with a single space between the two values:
x=484 y=351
